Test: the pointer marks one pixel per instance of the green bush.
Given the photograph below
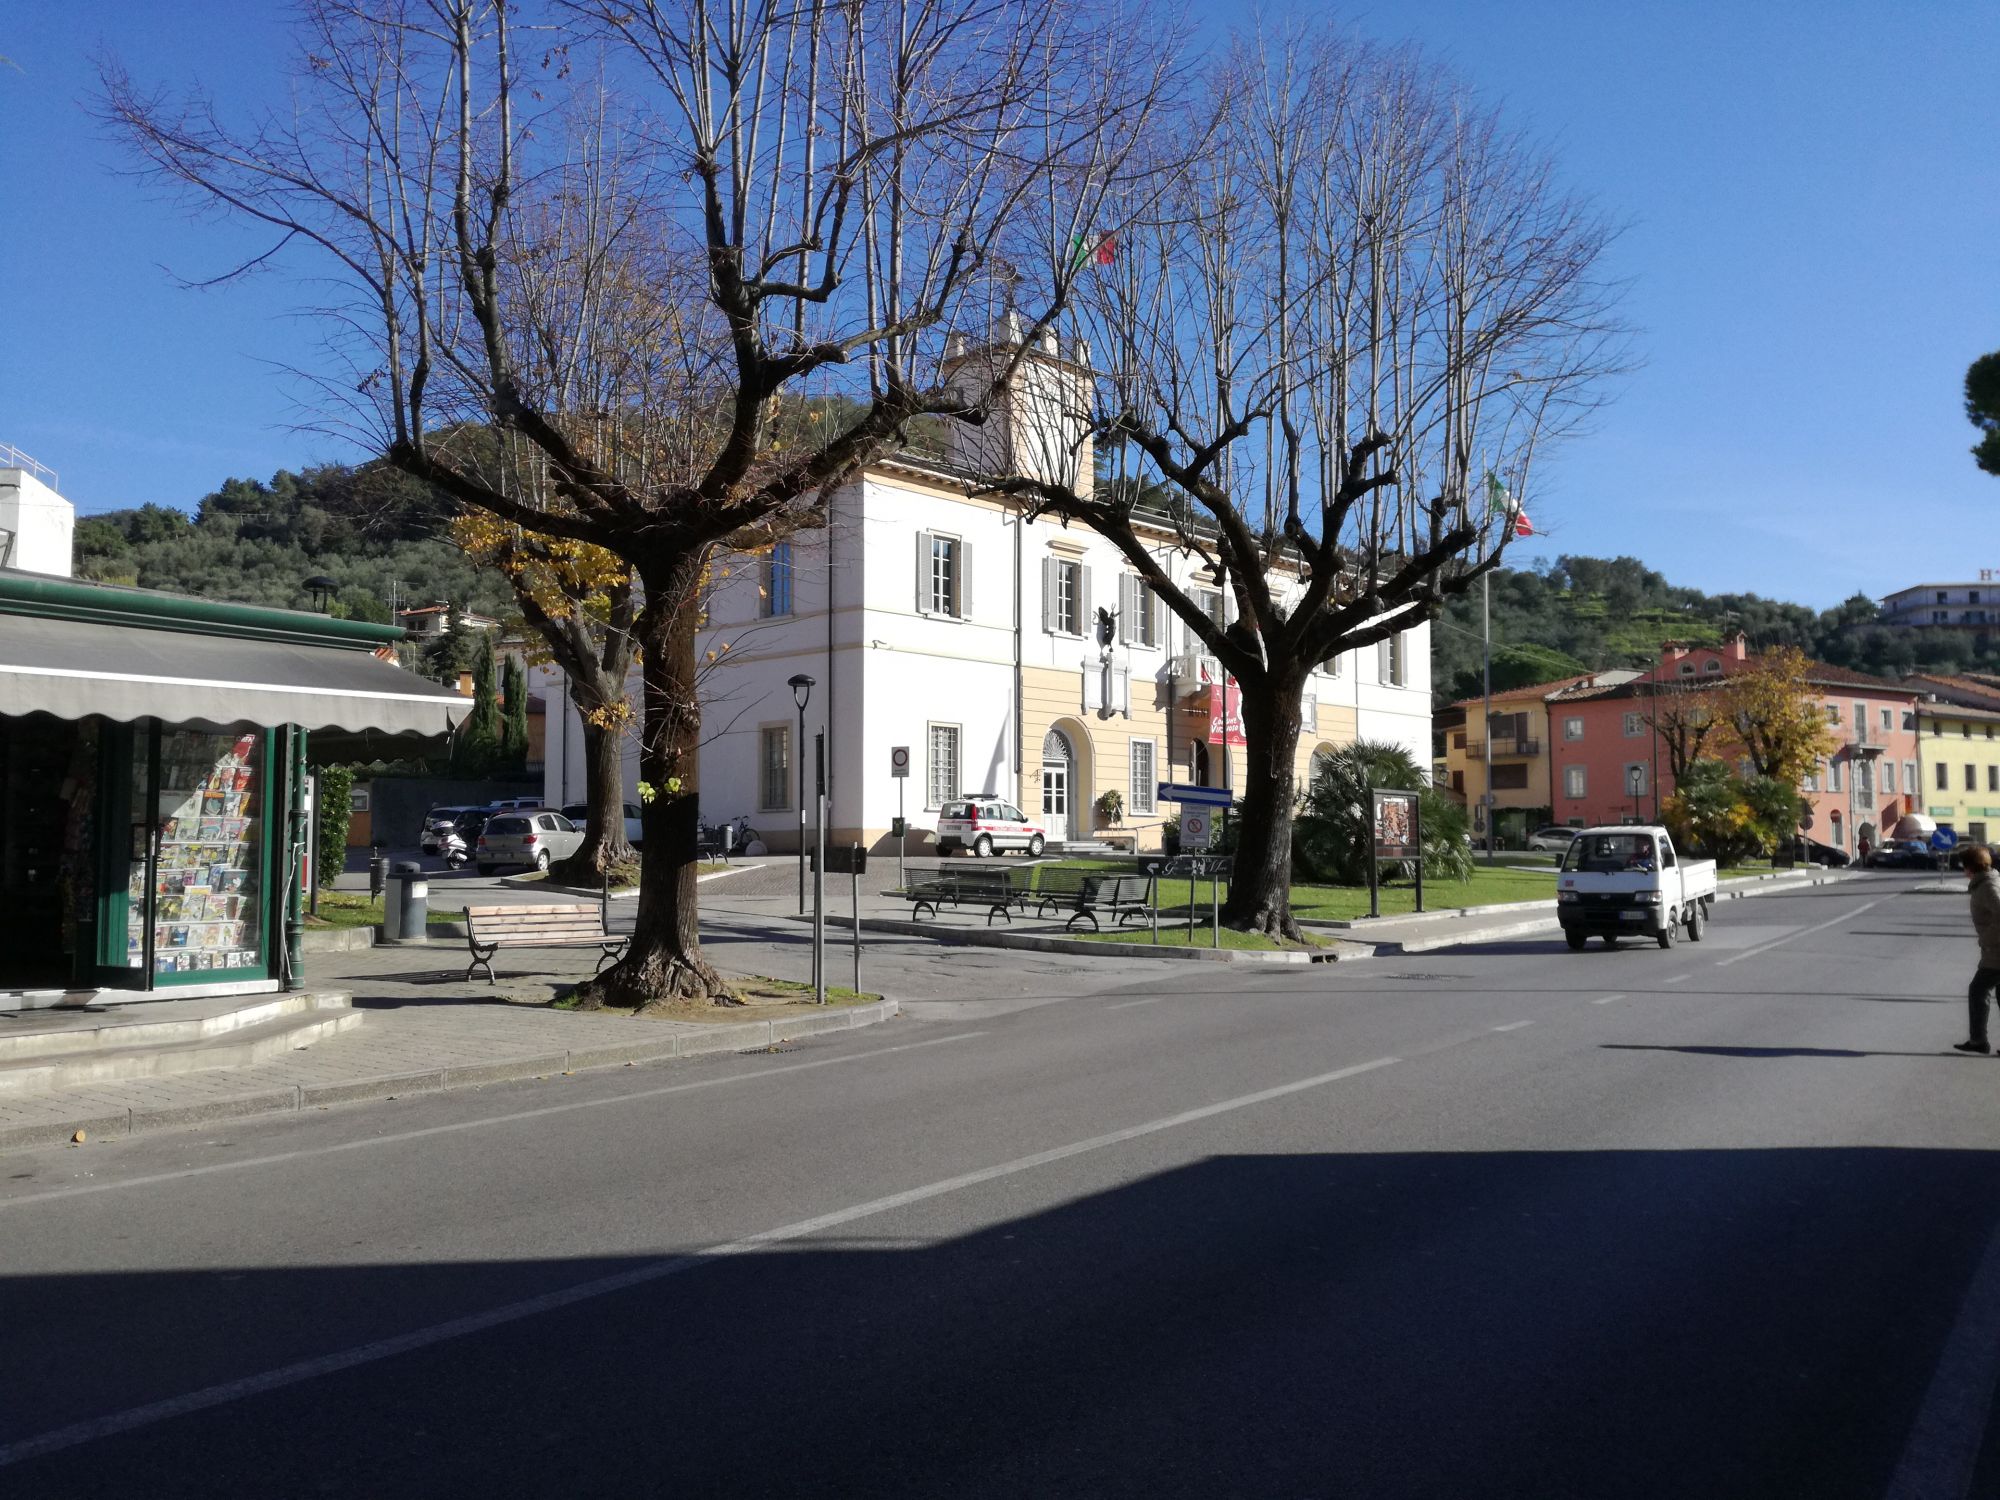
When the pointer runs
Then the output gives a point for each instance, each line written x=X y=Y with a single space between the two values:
x=336 y=811
x=1331 y=839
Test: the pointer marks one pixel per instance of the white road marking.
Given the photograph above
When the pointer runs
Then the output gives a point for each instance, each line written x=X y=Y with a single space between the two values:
x=1723 y=963
x=1943 y=1447
x=479 y=1124
x=1149 y=1000
x=1674 y=978
x=1513 y=1026
x=1606 y=999
x=230 y=1391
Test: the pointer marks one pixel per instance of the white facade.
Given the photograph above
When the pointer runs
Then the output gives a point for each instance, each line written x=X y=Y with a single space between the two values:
x=941 y=622
x=1937 y=604
x=37 y=526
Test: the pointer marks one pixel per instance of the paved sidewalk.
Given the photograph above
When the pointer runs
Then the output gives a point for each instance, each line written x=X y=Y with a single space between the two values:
x=425 y=1030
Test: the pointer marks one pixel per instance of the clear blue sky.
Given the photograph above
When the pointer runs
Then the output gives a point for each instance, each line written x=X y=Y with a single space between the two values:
x=1810 y=189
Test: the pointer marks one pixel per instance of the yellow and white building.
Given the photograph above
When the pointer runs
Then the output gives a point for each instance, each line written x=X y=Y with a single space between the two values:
x=1012 y=657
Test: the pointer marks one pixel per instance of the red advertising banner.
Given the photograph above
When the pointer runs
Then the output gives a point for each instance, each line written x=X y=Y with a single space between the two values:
x=1225 y=713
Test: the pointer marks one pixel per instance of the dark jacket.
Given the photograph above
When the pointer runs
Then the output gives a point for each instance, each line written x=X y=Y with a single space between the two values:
x=1986 y=917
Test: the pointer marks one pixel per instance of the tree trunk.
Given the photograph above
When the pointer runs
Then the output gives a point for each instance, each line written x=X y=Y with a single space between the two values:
x=604 y=844
x=664 y=962
x=1260 y=881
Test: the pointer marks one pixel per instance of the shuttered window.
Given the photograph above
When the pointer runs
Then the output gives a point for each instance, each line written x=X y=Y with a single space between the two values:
x=943 y=576
x=774 y=767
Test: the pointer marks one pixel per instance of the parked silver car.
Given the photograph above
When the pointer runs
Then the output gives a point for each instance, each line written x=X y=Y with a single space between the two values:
x=1552 y=837
x=635 y=833
x=536 y=838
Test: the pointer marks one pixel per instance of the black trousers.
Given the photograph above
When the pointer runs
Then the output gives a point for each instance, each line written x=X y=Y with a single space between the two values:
x=1984 y=982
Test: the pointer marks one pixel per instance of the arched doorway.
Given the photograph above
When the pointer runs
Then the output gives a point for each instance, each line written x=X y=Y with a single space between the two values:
x=1321 y=763
x=1198 y=764
x=1058 y=787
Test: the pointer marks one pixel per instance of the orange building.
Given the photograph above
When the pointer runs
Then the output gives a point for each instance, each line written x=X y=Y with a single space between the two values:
x=1608 y=764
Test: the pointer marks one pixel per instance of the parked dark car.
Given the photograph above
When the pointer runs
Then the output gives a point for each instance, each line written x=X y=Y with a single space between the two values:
x=1905 y=854
x=1813 y=852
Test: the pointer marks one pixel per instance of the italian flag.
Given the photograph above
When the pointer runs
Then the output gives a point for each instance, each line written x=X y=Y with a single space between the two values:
x=1500 y=503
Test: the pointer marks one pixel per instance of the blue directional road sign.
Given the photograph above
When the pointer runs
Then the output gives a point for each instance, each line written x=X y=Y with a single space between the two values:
x=1202 y=796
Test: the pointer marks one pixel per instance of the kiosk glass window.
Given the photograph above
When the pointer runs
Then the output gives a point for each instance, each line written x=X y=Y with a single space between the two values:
x=209 y=864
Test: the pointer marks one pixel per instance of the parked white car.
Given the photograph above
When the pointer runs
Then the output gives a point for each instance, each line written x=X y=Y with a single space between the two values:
x=986 y=825
x=536 y=839
x=1553 y=838
x=1631 y=881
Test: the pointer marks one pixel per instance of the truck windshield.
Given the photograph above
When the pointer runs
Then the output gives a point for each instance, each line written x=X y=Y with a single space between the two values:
x=1610 y=853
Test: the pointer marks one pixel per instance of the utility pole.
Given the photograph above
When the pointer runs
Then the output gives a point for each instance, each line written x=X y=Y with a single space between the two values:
x=1486 y=729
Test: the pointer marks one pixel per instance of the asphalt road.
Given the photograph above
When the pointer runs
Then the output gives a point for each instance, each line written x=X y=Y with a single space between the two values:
x=1715 y=1221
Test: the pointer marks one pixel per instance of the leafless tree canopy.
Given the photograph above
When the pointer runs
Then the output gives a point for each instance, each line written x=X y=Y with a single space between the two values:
x=1362 y=300
x=622 y=231
x=1326 y=361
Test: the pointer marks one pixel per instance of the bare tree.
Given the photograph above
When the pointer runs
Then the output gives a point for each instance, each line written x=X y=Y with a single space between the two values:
x=1343 y=339
x=819 y=191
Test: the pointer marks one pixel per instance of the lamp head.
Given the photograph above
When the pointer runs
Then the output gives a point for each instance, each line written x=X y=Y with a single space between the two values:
x=801 y=686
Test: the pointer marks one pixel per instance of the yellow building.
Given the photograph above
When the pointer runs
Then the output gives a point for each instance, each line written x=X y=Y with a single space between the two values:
x=1959 y=761
x=1516 y=746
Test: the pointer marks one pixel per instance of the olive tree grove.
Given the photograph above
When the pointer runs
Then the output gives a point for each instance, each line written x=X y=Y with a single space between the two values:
x=621 y=236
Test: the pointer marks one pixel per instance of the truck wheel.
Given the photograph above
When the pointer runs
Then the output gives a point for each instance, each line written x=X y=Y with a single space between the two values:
x=1697 y=922
x=1668 y=933
x=1576 y=940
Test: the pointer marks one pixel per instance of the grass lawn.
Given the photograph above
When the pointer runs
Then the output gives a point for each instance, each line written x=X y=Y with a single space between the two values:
x=353 y=909
x=1339 y=903
x=1177 y=937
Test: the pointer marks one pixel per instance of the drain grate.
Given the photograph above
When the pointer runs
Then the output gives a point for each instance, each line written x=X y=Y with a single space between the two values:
x=1421 y=978
x=769 y=1051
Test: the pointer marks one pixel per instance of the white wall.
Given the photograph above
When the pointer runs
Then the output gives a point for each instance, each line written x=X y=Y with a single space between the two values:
x=40 y=523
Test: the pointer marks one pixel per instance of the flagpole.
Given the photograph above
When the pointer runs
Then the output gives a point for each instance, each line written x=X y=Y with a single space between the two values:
x=1486 y=737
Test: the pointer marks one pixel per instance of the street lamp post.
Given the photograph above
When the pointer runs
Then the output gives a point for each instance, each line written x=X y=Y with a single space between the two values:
x=801 y=686
x=1635 y=783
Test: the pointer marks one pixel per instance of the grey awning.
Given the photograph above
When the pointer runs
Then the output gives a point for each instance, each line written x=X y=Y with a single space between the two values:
x=73 y=669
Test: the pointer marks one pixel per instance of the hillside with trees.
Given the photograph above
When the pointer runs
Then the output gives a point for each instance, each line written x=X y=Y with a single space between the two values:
x=375 y=532
x=1581 y=614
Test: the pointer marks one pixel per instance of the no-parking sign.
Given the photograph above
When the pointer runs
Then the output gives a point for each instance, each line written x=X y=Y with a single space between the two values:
x=1197 y=823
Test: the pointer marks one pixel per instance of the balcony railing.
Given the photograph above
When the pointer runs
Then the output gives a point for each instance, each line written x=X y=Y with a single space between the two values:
x=1504 y=749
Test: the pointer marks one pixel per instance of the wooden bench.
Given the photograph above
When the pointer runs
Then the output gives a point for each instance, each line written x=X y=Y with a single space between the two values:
x=1125 y=897
x=488 y=929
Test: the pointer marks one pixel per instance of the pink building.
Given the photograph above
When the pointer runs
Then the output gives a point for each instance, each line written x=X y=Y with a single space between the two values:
x=1609 y=765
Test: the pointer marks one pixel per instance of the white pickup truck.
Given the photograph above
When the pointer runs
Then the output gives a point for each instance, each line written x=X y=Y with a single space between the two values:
x=1629 y=881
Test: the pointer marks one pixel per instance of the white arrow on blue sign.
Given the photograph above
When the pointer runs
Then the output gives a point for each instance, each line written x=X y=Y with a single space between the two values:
x=1202 y=796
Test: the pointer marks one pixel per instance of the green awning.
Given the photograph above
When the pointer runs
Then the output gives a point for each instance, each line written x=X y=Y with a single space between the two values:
x=74 y=669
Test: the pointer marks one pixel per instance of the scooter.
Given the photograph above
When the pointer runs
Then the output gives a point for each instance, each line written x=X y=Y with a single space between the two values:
x=451 y=845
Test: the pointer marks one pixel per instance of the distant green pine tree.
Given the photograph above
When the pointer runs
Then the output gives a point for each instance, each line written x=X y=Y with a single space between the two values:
x=478 y=745
x=514 y=715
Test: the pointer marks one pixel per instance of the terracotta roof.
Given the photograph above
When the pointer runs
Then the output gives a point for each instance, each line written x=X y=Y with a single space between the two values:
x=1828 y=675
x=1972 y=689
x=1966 y=711
x=1818 y=673
x=1533 y=690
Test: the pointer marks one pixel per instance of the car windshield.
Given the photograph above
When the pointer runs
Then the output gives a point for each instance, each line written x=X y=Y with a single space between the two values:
x=1610 y=853
x=506 y=827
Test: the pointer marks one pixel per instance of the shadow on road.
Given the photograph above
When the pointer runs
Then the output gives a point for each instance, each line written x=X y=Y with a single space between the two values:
x=1541 y=1323
x=1942 y=1053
